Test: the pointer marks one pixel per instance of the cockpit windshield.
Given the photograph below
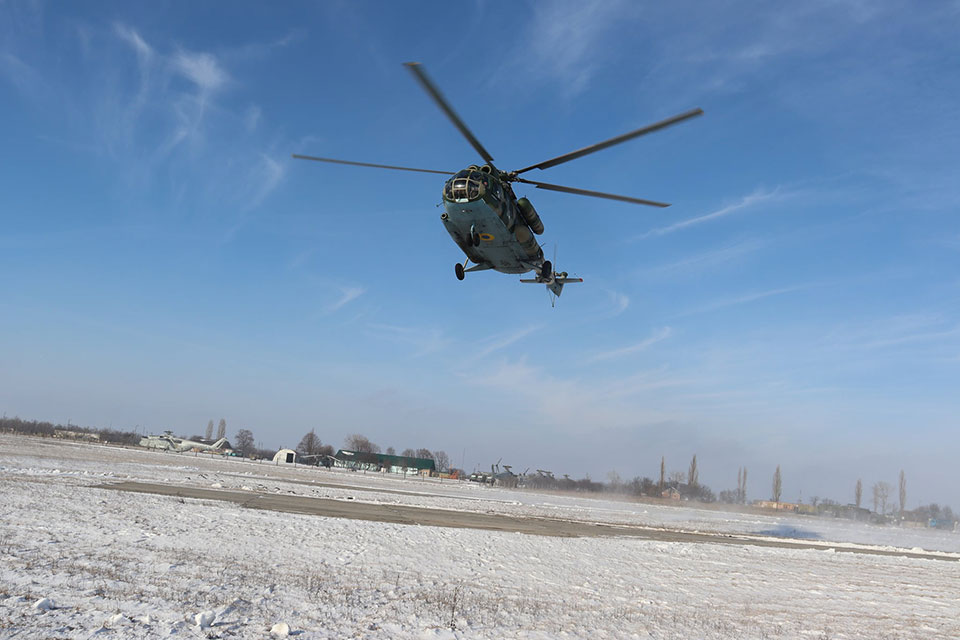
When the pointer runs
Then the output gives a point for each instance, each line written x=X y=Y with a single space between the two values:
x=466 y=185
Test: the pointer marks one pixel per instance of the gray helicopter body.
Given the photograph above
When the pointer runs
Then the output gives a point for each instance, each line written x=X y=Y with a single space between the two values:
x=482 y=216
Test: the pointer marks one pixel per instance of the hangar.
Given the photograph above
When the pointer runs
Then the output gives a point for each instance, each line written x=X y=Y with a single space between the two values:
x=285 y=456
x=404 y=465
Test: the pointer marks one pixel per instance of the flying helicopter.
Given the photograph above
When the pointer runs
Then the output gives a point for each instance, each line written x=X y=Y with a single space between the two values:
x=492 y=226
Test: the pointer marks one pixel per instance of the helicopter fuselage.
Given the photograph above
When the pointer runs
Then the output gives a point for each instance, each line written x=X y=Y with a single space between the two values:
x=482 y=215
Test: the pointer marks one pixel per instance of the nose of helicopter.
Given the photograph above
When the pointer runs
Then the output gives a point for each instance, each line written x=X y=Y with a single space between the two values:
x=465 y=186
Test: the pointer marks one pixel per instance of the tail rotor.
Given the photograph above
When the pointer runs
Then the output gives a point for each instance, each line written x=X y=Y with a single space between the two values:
x=554 y=280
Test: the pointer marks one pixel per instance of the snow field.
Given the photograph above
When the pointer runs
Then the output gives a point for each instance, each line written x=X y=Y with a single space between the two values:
x=119 y=565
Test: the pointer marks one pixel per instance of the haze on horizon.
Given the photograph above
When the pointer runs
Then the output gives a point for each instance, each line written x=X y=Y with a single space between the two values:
x=164 y=262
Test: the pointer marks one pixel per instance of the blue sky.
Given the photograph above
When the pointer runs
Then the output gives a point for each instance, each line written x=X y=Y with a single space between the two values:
x=164 y=262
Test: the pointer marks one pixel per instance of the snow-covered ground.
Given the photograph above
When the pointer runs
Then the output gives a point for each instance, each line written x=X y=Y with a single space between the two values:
x=78 y=561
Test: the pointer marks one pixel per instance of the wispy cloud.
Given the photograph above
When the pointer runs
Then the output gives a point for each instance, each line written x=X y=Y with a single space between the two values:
x=262 y=178
x=914 y=337
x=424 y=340
x=21 y=75
x=347 y=295
x=657 y=336
x=202 y=69
x=895 y=331
x=733 y=301
x=502 y=341
x=129 y=35
x=620 y=302
x=251 y=118
x=759 y=196
x=705 y=260
x=145 y=62
x=564 y=40
x=265 y=176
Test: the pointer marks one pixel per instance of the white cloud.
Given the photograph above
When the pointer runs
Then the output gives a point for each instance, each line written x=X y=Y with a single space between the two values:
x=705 y=260
x=620 y=302
x=565 y=40
x=202 y=69
x=744 y=298
x=347 y=295
x=505 y=340
x=20 y=74
x=252 y=118
x=757 y=197
x=657 y=336
x=424 y=340
x=265 y=175
x=130 y=36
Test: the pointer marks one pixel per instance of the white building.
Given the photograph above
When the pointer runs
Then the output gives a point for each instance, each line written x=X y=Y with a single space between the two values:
x=285 y=456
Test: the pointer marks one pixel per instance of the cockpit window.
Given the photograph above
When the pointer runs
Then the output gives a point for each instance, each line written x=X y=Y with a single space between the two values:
x=465 y=186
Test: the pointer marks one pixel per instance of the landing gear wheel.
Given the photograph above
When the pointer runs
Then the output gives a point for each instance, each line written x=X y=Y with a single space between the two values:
x=458 y=269
x=546 y=270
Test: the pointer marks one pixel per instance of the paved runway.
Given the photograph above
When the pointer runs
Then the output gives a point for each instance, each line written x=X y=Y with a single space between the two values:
x=484 y=521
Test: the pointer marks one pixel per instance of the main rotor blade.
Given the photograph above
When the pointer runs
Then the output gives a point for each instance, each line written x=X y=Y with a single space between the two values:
x=368 y=164
x=594 y=194
x=573 y=155
x=421 y=75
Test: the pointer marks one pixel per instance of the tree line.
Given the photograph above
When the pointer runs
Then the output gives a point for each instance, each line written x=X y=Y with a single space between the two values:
x=675 y=484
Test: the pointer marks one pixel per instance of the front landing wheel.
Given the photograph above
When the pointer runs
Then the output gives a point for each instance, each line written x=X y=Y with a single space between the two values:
x=458 y=269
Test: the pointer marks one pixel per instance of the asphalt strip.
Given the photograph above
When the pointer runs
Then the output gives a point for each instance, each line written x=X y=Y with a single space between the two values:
x=537 y=526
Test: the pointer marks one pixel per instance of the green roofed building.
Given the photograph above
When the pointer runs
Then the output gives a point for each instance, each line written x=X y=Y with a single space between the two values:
x=383 y=462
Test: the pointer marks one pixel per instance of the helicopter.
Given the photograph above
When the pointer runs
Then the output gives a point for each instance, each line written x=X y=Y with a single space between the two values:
x=492 y=226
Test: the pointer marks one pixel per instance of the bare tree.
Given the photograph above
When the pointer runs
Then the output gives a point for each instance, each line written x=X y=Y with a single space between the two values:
x=777 y=485
x=677 y=477
x=663 y=473
x=409 y=453
x=693 y=476
x=739 y=485
x=310 y=444
x=222 y=429
x=903 y=492
x=424 y=453
x=357 y=442
x=743 y=492
x=883 y=493
x=391 y=451
x=442 y=460
x=209 y=435
x=858 y=492
x=614 y=482
x=243 y=441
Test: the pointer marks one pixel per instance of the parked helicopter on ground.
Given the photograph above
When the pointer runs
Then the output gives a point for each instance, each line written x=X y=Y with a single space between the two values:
x=169 y=442
x=483 y=215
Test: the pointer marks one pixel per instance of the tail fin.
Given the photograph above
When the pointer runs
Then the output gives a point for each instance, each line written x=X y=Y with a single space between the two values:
x=556 y=287
x=554 y=284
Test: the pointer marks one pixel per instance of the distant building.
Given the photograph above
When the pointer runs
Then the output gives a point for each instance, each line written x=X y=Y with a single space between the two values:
x=285 y=456
x=76 y=435
x=785 y=506
x=383 y=462
x=671 y=493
